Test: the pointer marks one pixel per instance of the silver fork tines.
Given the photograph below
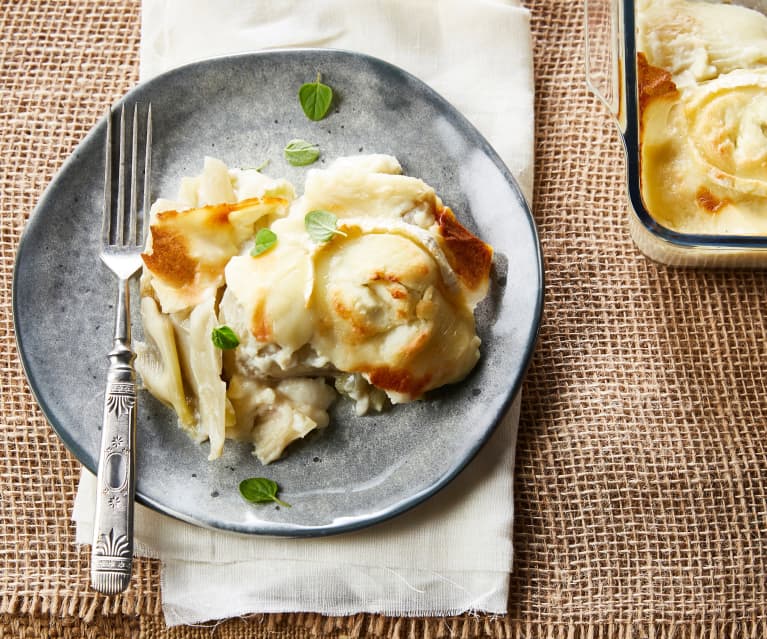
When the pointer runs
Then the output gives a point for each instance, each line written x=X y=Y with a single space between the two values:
x=112 y=550
x=113 y=238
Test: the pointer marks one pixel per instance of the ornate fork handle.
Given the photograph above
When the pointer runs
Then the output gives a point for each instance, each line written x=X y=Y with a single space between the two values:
x=112 y=551
x=122 y=242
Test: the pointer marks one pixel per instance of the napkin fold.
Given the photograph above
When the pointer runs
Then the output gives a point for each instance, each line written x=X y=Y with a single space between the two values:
x=453 y=553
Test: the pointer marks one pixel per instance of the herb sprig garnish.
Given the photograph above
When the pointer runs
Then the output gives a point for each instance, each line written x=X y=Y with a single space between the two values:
x=260 y=490
x=321 y=225
x=315 y=99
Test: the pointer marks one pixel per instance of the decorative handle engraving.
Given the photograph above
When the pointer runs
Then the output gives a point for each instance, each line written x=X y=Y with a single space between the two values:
x=112 y=551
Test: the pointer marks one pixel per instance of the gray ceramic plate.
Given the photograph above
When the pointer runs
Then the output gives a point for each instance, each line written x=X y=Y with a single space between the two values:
x=243 y=110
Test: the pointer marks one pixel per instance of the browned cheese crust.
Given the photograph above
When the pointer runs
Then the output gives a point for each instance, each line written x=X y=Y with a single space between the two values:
x=468 y=256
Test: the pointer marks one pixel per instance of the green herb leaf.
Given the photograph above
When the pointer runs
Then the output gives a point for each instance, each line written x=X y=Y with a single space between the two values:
x=301 y=152
x=265 y=239
x=315 y=99
x=260 y=490
x=224 y=338
x=321 y=225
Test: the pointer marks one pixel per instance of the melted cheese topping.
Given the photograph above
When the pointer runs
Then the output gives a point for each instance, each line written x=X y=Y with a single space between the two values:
x=386 y=312
x=191 y=248
x=385 y=307
x=273 y=290
x=699 y=41
x=369 y=187
x=703 y=88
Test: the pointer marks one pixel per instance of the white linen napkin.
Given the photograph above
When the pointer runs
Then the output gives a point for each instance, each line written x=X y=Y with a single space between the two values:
x=452 y=553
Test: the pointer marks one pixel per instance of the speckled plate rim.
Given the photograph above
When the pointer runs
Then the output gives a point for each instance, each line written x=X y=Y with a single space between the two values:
x=351 y=523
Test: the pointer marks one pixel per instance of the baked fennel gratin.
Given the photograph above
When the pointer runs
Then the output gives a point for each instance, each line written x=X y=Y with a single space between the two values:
x=376 y=305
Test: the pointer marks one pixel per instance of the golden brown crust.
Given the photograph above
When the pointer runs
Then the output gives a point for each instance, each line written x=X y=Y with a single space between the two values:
x=397 y=293
x=360 y=327
x=653 y=82
x=259 y=325
x=398 y=381
x=468 y=256
x=710 y=202
x=170 y=258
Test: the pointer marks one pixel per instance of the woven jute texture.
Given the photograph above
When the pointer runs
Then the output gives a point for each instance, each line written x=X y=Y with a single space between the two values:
x=641 y=480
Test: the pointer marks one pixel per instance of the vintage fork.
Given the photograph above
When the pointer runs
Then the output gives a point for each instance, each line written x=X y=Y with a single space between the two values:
x=122 y=242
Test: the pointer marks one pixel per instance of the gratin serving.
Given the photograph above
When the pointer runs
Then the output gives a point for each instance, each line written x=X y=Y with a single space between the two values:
x=702 y=76
x=382 y=309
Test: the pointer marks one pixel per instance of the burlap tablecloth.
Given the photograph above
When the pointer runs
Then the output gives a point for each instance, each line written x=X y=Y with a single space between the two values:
x=641 y=463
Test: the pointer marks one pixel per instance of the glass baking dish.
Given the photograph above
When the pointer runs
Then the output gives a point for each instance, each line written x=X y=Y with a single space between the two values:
x=611 y=74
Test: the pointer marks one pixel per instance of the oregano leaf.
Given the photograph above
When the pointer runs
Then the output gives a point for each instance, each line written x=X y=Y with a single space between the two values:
x=315 y=99
x=260 y=490
x=265 y=239
x=301 y=152
x=321 y=225
x=224 y=338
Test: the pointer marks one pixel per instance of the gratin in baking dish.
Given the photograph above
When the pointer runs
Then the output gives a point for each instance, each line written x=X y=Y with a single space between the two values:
x=686 y=81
